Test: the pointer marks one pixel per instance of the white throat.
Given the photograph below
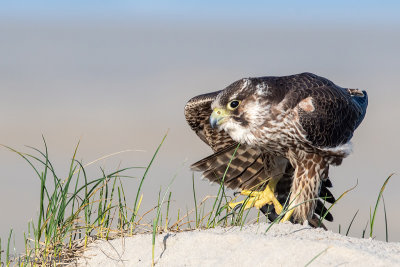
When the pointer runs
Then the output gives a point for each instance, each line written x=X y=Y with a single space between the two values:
x=239 y=133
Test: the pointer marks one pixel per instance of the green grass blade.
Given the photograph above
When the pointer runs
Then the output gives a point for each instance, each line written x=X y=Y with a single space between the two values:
x=134 y=213
x=372 y=220
x=351 y=223
x=195 y=201
x=167 y=217
x=334 y=203
x=365 y=230
x=221 y=189
x=8 y=249
x=386 y=221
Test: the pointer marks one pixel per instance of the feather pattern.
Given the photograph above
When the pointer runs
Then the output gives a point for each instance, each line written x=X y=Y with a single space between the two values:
x=305 y=119
x=247 y=170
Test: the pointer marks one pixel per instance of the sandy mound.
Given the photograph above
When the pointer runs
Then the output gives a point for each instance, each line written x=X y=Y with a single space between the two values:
x=283 y=245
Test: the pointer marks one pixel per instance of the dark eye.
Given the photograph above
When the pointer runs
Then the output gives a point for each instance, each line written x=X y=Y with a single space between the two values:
x=233 y=104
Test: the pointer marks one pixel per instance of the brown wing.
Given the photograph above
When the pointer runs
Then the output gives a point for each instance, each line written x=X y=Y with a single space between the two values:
x=246 y=170
x=197 y=113
x=337 y=114
x=336 y=111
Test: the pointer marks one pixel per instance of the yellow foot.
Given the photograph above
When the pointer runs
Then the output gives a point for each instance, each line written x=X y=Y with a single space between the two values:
x=287 y=216
x=259 y=199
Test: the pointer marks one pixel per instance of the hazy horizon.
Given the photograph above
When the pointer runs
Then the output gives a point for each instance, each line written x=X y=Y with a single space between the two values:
x=117 y=84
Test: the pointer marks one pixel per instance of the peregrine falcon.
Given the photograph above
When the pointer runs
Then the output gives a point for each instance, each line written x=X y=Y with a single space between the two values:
x=290 y=130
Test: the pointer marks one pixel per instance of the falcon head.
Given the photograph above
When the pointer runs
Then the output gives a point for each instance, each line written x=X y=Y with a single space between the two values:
x=240 y=109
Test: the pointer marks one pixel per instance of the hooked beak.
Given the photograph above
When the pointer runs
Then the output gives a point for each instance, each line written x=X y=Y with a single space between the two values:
x=218 y=117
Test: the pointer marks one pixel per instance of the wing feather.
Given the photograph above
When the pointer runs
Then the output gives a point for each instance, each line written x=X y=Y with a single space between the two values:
x=197 y=113
x=244 y=165
x=335 y=114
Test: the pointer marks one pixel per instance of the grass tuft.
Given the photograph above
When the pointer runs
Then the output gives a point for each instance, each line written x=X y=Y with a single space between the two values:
x=76 y=210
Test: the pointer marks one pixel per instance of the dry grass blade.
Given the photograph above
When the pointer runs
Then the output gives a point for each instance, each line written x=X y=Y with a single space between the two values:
x=315 y=257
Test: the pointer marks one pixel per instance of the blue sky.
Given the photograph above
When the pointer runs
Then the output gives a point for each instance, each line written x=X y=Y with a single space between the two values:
x=351 y=10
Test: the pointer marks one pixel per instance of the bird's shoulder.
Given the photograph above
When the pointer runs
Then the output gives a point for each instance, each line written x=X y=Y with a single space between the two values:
x=292 y=88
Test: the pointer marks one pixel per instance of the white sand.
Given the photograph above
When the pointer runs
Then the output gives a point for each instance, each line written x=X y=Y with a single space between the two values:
x=283 y=245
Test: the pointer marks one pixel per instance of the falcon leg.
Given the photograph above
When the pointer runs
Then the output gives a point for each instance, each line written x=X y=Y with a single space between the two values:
x=310 y=170
x=259 y=199
x=287 y=216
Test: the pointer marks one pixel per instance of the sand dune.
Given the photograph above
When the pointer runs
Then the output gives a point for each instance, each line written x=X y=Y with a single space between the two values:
x=283 y=245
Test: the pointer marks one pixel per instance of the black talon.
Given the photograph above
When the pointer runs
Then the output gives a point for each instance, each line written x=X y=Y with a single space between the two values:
x=320 y=210
x=269 y=211
x=326 y=195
